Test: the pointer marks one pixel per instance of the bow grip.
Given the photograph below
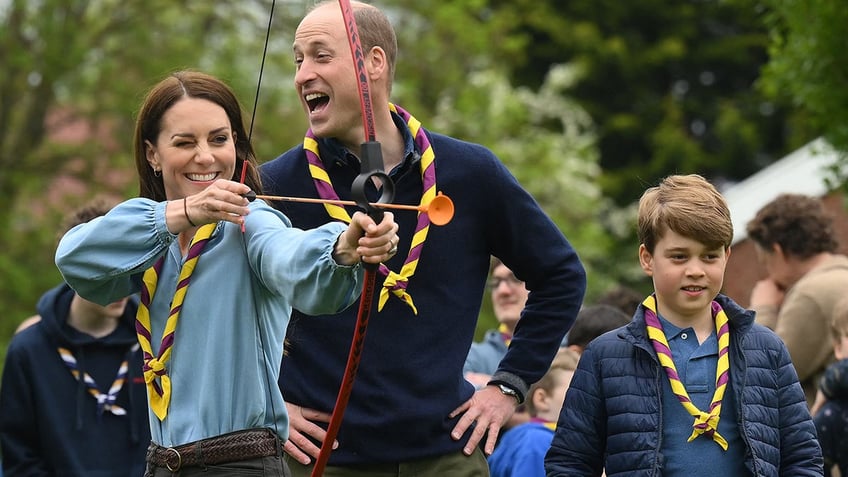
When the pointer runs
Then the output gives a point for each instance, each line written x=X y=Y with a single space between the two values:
x=371 y=163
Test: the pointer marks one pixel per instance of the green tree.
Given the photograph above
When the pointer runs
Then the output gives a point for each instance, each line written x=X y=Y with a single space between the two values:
x=78 y=65
x=73 y=74
x=669 y=84
x=548 y=141
x=809 y=64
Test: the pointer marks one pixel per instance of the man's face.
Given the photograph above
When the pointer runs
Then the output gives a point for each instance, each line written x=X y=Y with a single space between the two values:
x=508 y=295
x=325 y=78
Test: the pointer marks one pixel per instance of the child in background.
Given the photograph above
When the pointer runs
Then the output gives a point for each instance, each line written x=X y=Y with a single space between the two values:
x=72 y=397
x=521 y=450
x=593 y=321
x=830 y=411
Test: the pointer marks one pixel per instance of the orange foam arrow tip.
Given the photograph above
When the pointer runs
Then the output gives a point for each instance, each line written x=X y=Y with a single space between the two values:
x=440 y=209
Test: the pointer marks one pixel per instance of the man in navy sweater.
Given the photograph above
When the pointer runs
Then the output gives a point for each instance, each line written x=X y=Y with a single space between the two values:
x=410 y=409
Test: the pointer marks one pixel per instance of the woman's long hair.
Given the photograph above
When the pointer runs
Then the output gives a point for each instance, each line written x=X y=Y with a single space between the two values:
x=189 y=84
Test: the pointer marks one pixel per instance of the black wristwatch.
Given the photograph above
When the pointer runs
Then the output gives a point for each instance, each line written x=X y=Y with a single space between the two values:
x=510 y=392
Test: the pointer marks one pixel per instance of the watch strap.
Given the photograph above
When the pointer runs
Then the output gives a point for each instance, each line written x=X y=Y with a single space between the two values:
x=509 y=388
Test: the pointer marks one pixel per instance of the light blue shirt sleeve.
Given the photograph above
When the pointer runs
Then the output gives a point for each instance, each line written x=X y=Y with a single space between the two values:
x=225 y=360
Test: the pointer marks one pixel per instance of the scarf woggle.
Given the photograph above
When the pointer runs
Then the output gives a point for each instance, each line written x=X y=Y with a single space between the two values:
x=394 y=283
x=105 y=401
x=159 y=392
x=705 y=422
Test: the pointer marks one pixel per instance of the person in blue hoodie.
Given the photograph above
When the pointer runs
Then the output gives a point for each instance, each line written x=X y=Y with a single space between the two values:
x=72 y=399
x=521 y=451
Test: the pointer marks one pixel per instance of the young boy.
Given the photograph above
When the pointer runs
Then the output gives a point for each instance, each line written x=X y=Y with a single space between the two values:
x=830 y=412
x=72 y=398
x=691 y=387
x=521 y=451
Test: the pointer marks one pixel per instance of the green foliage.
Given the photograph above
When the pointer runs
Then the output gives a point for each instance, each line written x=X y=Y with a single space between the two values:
x=548 y=142
x=669 y=84
x=809 y=62
x=587 y=102
x=74 y=73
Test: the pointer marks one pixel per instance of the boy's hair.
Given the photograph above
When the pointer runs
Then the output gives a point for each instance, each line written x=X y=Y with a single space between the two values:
x=798 y=223
x=688 y=205
x=84 y=213
x=565 y=359
x=595 y=320
x=839 y=322
x=622 y=297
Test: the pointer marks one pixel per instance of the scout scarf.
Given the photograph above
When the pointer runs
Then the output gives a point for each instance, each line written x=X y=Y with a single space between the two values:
x=548 y=424
x=506 y=336
x=159 y=393
x=105 y=402
x=396 y=283
x=705 y=422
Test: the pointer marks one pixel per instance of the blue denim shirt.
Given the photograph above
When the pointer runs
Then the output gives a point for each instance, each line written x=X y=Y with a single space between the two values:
x=228 y=344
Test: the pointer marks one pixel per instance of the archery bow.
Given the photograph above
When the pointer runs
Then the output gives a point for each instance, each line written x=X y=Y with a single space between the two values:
x=371 y=159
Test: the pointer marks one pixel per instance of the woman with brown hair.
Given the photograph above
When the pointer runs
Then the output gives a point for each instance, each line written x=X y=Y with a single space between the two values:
x=218 y=276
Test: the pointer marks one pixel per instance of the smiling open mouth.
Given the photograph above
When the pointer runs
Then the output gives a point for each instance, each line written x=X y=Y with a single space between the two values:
x=316 y=100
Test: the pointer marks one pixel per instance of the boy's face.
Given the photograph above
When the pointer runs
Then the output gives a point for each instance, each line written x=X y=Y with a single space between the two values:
x=549 y=404
x=686 y=274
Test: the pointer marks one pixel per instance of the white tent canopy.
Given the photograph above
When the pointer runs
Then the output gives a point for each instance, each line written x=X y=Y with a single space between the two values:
x=801 y=172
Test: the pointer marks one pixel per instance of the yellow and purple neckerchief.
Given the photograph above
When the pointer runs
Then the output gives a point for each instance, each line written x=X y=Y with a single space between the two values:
x=548 y=424
x=395 y=283
x=705 y=422
x=105 y=401
x=159 y=393
x=506 y=336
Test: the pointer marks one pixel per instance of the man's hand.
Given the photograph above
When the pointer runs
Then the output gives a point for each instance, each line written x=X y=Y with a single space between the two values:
x=488 y=410
x=302 y=424
x=767 y=293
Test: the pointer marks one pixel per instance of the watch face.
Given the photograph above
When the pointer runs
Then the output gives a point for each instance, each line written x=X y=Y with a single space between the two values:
x=509 y=392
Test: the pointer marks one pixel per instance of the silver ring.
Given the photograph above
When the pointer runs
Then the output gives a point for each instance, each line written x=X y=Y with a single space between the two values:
x=393 y=250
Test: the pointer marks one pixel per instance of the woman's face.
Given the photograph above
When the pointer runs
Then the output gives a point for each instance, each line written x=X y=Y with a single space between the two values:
x=195 y=146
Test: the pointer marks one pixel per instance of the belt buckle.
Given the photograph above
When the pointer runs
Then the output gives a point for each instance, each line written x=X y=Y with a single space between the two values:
x=179 y=460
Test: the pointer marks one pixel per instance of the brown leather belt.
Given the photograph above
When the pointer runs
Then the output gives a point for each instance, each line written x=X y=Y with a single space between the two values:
x=231 y=447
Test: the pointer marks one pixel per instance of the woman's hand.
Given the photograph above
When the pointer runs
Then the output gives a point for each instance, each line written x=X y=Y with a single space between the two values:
x=222 y=200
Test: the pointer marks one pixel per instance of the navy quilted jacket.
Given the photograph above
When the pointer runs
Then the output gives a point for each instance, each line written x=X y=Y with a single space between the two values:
x=610 y=420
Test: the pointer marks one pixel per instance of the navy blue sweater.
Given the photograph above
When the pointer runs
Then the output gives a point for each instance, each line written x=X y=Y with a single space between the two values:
x=49 y=423
x=410 y=377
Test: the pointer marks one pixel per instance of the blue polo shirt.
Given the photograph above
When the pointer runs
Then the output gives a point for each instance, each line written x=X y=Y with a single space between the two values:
x=696 y=366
